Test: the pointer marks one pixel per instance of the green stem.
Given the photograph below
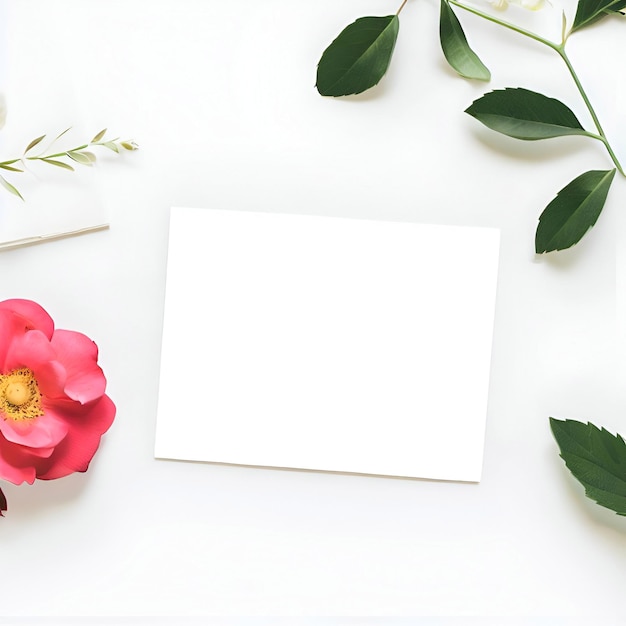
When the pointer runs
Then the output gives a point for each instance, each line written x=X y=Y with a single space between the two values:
x=601 y=134
x=560 y=50
x=58 y=154
x=495 y=20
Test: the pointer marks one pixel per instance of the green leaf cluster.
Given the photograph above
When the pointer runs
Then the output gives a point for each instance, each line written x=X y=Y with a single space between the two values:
x=596 y=458
x=361 y=54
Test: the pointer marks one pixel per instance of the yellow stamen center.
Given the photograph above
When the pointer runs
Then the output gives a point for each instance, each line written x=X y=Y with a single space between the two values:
x=17 y=393
x=20 y=398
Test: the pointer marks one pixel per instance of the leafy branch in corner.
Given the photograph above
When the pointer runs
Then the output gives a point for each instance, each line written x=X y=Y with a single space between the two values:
x=64 y=159
x=360 y=56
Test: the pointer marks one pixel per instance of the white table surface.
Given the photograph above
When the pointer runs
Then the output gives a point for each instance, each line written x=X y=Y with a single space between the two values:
x=220 y=96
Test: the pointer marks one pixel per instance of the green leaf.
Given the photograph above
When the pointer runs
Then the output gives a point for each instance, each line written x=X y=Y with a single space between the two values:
x=99 y=136
x=129 y=145
x=590 y=11
x=573 y=212
x=525 y=114
x=63 y=133
x=33 y=143
x=65 y=166
x=9 y=187
x=111 y=146
x=359 y=57
x=455 y=47
x=596 y=458
x=4 y=166
x=3 y=503
x=79 y=157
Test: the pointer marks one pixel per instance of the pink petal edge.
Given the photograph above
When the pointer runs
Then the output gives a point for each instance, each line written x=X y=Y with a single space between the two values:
x=79 y=356
x=34 y=314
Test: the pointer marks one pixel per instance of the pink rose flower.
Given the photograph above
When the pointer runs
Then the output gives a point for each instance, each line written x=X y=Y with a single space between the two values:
x=53 y=409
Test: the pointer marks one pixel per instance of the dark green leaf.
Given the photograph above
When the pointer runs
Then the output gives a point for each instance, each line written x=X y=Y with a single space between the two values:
x=525 y=114
x=590 y=11
x=359 y=57
x=33 y=143
x=99 y=136
x=3 y=503
x=9 y=187
x=573 y=212
x=596 y=458
x=65 y=166
x=455 y=47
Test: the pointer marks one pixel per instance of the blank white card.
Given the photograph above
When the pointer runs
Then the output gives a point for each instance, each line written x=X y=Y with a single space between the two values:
x=327 y=343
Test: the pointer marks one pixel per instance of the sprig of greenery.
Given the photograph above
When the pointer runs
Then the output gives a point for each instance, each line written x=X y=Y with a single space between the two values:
x=63 y=159
x=360 y=55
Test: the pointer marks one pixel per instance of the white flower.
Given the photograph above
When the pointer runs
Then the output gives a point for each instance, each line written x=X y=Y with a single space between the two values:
x=531 y=5
x=3 y=110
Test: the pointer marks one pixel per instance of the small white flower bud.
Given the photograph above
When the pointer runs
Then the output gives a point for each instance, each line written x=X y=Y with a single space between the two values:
x=3 y=110
x=500 y=5
x=532 y=5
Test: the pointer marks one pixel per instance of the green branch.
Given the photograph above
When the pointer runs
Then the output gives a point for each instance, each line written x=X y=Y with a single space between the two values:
x=79 y=154
x=601 y=134
x=559 y=48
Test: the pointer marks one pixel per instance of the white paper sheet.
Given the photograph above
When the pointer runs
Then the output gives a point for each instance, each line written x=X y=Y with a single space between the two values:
x=327 y=343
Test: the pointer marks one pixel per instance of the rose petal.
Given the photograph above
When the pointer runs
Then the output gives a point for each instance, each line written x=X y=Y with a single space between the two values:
x=42 y=453
x=34 y=314
x=51 y=378
x=16 y=465
x=11 y=326
x=29 y=349
x=76 y=450
x=45 y=431
x=34 y=351
x=79 y=356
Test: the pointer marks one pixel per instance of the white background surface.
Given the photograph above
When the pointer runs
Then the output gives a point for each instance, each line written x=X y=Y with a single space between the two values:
x=221 y=99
